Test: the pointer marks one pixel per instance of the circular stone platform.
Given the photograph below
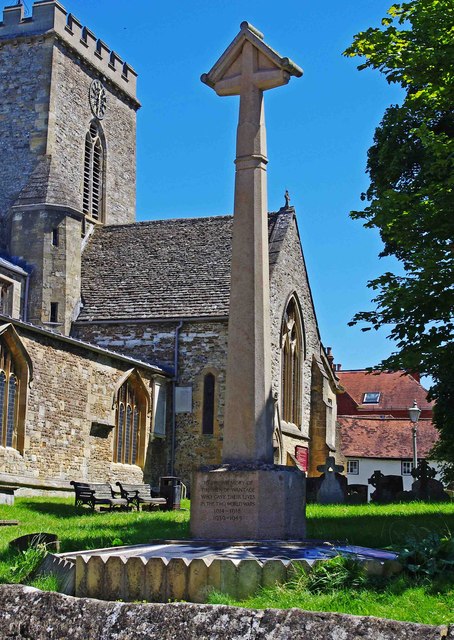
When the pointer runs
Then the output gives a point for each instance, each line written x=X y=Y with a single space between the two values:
x=188 y=569
x=310 y=551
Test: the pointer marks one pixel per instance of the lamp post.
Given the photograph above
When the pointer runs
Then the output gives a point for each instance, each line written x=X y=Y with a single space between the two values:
x=414 y=412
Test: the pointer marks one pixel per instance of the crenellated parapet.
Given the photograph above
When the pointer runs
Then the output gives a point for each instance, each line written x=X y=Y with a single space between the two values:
x=49 y=16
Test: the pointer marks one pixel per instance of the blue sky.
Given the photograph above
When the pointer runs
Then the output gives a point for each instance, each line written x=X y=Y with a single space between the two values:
x=319 y=129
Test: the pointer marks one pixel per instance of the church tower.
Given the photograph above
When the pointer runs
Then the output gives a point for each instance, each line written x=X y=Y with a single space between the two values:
x=68 y=150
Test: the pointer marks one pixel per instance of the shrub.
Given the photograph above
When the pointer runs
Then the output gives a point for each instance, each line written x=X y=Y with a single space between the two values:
x=431 y=556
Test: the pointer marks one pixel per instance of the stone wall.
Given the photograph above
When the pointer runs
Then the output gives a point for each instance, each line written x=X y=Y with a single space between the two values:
x=55 y=277
x=203 y=349
x=71 y=115
x=28 y=613
x=25 y=72
x=288 y=276
x=72 y=391
x=45 y=111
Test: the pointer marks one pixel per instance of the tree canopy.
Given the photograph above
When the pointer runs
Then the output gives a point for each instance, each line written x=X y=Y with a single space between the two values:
x=410 y=199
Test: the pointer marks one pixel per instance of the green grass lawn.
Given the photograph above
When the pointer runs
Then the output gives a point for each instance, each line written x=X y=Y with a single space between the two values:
x=398 y=599
x=381 y=526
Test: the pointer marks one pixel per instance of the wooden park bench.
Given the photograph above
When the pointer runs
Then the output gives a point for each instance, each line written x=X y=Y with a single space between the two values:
x=140 y=494
x=93 y=494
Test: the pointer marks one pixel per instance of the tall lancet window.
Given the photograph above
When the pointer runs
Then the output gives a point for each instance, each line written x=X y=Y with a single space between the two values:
x=291 y=363
x=9 y=395
x=94 y=173
x=131 y=405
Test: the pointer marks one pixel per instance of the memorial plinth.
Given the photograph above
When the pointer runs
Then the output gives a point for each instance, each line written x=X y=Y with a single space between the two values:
x=249 y=497
x=262 y=503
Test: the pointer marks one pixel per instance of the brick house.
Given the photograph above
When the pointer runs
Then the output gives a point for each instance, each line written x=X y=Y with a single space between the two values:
x=374 y=426
x=124 y=324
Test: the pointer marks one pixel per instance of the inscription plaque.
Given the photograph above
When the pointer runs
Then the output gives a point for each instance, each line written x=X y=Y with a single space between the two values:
x=227 y=499
x=248 y=504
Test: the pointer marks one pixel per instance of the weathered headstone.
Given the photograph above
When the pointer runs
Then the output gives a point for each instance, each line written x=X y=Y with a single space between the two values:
x=357 y=493
x=425 y=486
x=387 y=488
x=7 y=494
x=333 y=486
x=33 y=540
x=249 y=496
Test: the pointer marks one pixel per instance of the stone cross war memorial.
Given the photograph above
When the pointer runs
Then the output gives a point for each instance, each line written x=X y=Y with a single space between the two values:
x=248 y=497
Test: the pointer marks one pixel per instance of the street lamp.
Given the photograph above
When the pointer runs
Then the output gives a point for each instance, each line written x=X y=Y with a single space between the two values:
x=414 y=412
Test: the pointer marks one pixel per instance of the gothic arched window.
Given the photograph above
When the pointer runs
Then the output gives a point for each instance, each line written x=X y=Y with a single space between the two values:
x=209 y=384
x=10 y=390
x=130 y=423
x=94 y=173
x=291 y=363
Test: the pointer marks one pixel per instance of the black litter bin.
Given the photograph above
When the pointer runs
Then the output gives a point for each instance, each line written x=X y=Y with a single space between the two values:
x=170 y=489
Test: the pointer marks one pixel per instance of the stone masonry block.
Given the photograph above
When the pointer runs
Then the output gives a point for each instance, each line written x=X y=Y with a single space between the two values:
x=373 y=567
x=114 y=578
x=197 y=580
x=95 y=577
x=228 y=583
x=134 y=578
x=249 y=575
x=28 y=613
x=81 y=576
x=296 y=568
x=214 y=575
x=177 y=579
x=273 y=572
x=391 y=568
x=155 y=580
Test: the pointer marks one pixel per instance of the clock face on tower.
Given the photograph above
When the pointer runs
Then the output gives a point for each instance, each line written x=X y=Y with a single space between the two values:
x=98 y=99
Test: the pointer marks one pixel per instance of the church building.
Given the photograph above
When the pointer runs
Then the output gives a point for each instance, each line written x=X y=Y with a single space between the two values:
x=113 y=333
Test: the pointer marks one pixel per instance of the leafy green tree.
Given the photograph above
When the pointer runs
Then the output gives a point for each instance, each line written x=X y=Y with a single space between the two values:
x=410 y=199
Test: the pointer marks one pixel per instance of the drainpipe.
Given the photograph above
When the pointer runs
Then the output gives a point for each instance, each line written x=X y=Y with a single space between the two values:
x=176 y=354
x=26 y=294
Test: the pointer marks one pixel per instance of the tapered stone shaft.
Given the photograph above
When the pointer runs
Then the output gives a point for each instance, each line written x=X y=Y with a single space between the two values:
x=248 y=68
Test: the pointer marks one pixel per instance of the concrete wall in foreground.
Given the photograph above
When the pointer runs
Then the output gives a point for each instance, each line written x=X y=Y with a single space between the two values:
x=27 y=613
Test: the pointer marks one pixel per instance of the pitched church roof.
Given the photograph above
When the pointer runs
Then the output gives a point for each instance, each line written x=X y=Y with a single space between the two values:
x=164 y=268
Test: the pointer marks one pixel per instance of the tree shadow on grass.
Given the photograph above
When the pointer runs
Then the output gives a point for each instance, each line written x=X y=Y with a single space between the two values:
x=61 y=510
x=125 y=534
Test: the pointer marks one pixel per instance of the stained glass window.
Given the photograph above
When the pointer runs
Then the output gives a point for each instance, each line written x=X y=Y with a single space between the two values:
x=131 y=411
x=9 y=396
x=208 y=404
x=291 y=364
x=93 y=191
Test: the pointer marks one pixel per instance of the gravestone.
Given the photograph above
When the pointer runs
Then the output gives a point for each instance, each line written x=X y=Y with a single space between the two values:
x=33 y=540
x=387 y=488
x=333 y=486
x=248 y=497
x=425 y=486
x=7 y=494
x=357 y=493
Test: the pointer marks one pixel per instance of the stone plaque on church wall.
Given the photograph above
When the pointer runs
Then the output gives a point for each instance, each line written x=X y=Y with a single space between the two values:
x=261 y=504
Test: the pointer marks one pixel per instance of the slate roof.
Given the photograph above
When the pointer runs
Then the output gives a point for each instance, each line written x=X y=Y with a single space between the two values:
x=46 y=185
x=164 y=268
x=397 y=391
x=372 y=437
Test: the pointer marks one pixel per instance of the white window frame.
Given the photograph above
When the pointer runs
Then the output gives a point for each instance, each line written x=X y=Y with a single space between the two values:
x=371 y=393
x=354 y=464
x=410 y=465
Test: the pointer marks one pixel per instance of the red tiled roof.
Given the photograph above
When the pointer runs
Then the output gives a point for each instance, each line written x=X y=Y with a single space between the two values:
x=397 y=390
x=372 y=437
